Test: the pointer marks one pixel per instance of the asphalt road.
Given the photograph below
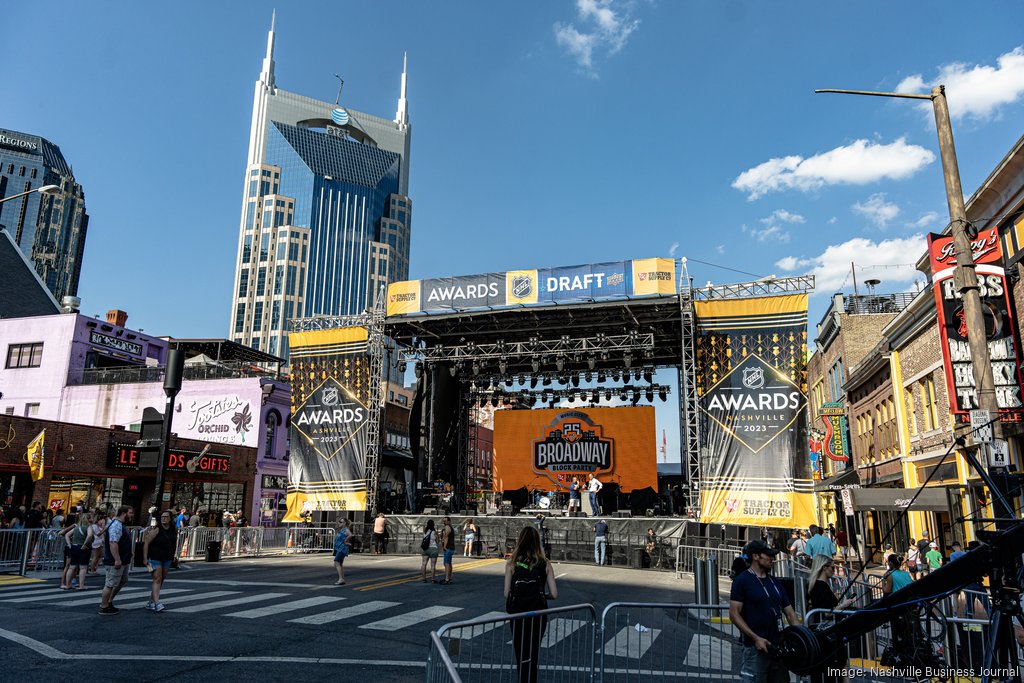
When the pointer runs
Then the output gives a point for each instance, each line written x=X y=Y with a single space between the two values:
x=275 y=619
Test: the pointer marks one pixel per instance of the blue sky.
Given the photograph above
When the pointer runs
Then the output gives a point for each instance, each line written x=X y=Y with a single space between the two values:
x=544 y=133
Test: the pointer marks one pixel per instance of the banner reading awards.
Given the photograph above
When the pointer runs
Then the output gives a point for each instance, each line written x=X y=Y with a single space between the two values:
x=751 y=375
x=330 y=416
x=995 y=304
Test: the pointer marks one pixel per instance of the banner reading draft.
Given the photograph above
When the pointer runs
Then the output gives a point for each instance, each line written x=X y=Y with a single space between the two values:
x=545 y=449
x=751 y=383
x=330 y=415
x=617 y=279
x=995 y=305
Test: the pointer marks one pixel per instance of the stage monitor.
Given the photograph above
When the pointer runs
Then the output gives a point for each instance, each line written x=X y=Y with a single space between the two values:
x=545 y=449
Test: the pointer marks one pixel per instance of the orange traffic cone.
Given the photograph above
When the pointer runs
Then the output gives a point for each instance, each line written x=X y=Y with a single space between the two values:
x=291 y=541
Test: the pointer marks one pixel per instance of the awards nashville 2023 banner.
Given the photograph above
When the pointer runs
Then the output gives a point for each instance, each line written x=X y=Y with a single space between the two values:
x=330 y=415
x=751 y=380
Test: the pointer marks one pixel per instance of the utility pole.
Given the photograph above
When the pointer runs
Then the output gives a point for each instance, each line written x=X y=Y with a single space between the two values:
x=965 y=276
x=172 y=385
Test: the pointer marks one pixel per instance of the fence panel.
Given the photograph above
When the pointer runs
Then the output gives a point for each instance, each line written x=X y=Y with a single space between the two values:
x=554 y=645
x=662 y=641
x=16 y=549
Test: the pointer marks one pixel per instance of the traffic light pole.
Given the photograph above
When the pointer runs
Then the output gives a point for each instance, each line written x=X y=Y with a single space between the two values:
x=965 y=276
x=172 y=385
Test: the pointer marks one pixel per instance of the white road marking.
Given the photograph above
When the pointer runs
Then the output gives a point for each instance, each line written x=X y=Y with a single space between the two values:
x=411 y=618
x=245 y=584
x=708 y=652
x=559 y=629
x=344 y=613
x=180 y=598
x=259 y=597
x=14 y=590
x=631 y=643
x=59 y=595
x=467 y=632
x=284 y=607
x=131 y=594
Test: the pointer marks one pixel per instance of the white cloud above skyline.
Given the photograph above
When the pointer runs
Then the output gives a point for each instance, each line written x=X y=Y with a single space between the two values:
x=977 y=91
x=605 y=25
x=858 y=163
x=892 y=259
x=877 y=209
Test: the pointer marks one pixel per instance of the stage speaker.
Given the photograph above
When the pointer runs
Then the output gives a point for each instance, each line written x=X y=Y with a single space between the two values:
x=575 y=513
x=642 y=499
x=622 y=513
x=506 y=510
x=650 y=512
x=609 y=498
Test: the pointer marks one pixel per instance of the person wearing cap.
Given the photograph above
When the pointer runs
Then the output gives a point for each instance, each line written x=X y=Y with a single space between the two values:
x=757 y=603
x=933 y=557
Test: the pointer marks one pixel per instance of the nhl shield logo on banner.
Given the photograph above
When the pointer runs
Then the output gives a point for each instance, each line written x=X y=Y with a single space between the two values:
x=522 y=286
x=753 y=378
x=330 y=396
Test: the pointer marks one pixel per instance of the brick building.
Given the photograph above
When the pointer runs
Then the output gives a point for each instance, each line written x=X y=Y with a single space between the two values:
x=93 y=465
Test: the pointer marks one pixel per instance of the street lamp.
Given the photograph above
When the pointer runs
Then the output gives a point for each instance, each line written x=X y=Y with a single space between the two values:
x=45 y=189
x=964 y=276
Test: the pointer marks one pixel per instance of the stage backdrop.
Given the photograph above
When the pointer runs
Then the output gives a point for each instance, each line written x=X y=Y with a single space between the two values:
x=545 y=449
x=751 y=379
x=330 y=415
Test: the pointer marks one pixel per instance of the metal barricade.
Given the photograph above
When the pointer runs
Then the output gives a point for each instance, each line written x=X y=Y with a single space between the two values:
x=16 y=547
x=558 y=643
x=47 y=551
x=664 y=641
x=311 y=540
x=687 y=557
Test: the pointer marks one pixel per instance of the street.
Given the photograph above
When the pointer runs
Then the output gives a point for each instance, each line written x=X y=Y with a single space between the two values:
x=275 y=618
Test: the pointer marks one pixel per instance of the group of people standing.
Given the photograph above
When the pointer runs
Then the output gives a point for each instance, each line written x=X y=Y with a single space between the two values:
x=593 y=487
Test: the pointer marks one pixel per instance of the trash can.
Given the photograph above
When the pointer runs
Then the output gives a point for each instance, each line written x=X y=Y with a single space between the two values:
x=636 y=558
x=213 y=551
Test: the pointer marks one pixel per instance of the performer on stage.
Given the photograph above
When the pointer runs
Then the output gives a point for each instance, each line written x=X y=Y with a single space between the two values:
x=594 y=486
x=574 y=495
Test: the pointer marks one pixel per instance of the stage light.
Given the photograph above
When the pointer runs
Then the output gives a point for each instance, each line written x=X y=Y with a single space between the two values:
x=649 y=396
x=622 y=395
x=560 y=363
x=588 y=376
x=627 y=360
x=402 y=367
x=535 y=364
x=648 y=375
x=663 y=393
x=509 y=381
x=616 y=376
x=453 y=369
x=575 y=379
x=638 y=375
x=572 y=398
x=591 y=362
x=533 y=382
x=636 y=397
x=494 y=401
x=476 y=368
x=607 y=394
x=418 y=370
x=483 y=401
x=502 y=366
x=547 y=380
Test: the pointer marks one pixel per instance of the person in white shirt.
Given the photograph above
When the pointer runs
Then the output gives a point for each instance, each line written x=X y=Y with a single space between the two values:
x=594 y=486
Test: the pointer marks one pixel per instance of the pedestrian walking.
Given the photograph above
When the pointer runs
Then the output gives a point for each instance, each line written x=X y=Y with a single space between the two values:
x=182 y=518
x=934 y=557
x=757 y=603
x=819 y=543
x=448 y=544
x=97 y=532
x=428 y=547
x=158 y=553
x=574 y=495
x=78 y=553
x=380 y=530
x=600 y=542
x=58 y=519
x=342 y=548
x=117 y=558
x=914 y=559
x=843 y=541
x=923 y=546
x=594 y=486
x=529 y=584
x=469 y=529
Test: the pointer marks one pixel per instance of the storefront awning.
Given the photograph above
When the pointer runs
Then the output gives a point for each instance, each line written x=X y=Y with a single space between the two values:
x=930 y=499
x=847 y=479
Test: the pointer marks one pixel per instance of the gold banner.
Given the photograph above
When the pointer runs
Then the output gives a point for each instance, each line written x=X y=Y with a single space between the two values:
x=758 y=508
x=35 y=455
x=298 y=503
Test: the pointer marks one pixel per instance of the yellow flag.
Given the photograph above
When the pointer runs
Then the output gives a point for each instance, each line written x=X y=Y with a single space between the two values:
x=35 y=455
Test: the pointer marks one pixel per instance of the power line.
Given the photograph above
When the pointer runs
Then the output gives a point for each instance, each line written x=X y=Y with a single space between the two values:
x=715 y=265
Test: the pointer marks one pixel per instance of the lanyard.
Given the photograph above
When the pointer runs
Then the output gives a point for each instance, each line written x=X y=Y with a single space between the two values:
x=777 y=603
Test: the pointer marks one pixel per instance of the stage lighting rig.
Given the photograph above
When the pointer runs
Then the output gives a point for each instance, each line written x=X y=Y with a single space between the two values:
x=560 y=363
x=649 y=375
x=627 y=360
x=503 y=366
x=535 y=364
x=591 y=362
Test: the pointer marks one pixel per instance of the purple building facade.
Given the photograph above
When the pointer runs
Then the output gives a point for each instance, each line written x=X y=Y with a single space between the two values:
x=81 y=370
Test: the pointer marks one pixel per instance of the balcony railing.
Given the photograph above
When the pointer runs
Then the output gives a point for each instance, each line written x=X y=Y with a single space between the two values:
x=138 y=374
x=879 y=303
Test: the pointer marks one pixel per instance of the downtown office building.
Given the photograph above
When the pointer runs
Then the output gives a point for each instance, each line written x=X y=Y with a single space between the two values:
x=49 y=229
x=325 y=220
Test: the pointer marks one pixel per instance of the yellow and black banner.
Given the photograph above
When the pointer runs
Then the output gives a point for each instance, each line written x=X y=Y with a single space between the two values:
x=752 y=384
x=330 y=416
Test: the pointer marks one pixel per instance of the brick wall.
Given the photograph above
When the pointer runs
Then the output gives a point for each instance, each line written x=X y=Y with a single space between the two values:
x=917 y=355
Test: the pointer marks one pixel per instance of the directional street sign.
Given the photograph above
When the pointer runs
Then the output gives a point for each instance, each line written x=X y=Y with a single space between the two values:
x=982 y=430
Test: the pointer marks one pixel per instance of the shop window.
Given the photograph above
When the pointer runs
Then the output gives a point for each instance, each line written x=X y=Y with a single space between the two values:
x=271 y=433
x=31 y=409
x=25 y=355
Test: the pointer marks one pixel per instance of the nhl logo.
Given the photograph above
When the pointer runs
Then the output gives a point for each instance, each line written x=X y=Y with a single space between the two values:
x=522 y=286
x=730 y=504
x=753 y=378
x=330 y=396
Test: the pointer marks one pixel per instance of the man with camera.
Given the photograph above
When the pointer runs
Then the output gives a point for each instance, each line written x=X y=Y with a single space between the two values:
x=757 y=604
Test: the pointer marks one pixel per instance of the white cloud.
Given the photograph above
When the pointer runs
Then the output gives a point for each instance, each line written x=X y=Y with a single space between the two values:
x=833 y=220
x=891 y=258
x=782 y=216
x=606 y=25
x=859 y=163
x=720 y=249
x=877 y=209
x=974 y=91
x=673 y=249
x=772 y=232
x=927 y=221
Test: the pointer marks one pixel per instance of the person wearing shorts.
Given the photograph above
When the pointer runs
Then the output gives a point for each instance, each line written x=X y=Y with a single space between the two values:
x=448 y=543
x=342 y=548
x=117 y=558
x=469 y=528
x=429 y=550
x=158 y=551
x=574 y=495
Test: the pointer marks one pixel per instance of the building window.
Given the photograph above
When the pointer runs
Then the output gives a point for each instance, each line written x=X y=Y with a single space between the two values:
x=257 y=317
x=931 y=413
x=31 y=409
x=239 y=318
x=9 y=410
x=270 y=434
x=33 y=174
x=243 y=283
x=261 y=281
x=247 y=249
x=911 y=412
x=278 y=279
x=25 y=355
x=275 y=316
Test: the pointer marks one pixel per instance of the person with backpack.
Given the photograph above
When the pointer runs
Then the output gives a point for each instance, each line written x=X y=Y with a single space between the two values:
x=529 y=584
x=341 y=550
x=428 y=546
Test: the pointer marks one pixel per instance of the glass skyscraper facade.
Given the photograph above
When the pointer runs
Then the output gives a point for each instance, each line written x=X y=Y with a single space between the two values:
x=325 y=216
x=49 y=229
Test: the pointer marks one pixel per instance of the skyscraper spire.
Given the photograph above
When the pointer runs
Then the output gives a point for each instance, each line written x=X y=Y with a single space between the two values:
x=267 y=74
x=402 y=115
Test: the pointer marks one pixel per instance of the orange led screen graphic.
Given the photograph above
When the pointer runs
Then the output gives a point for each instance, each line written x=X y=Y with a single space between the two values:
x=545 y=449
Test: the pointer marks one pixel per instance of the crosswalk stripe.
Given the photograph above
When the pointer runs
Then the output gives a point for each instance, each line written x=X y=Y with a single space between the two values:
x=228 y=603
x=180 y=598
x=56 y=594
x=559 y=629
x=15 y=591
x=284 y=607
x=468 y=632
x=629 y=642
x=344 y=613
x=411 y=618
x=710 y=652
x=95 y=597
